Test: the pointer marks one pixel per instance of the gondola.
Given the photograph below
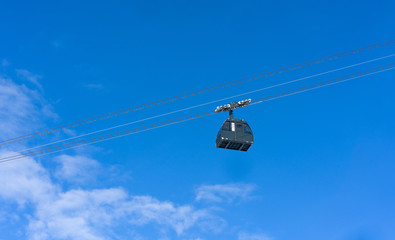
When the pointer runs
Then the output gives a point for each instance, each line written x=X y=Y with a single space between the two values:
x=235 y=134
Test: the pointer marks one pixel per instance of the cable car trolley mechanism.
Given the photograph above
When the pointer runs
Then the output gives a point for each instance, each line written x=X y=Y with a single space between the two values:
x=235 y=133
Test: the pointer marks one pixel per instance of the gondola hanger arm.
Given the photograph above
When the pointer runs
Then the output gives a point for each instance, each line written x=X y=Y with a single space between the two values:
x=233 y=105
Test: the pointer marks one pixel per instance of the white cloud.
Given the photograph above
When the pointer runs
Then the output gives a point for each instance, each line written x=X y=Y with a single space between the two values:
x=76 y=214
x=22 y=110
x=253 y=236
x=16 y=108
x=224 y=192
x=87 y=214
x=75 y=168
x=33 y=78
x=144 y=209
x=55 y=213
x=24 y=181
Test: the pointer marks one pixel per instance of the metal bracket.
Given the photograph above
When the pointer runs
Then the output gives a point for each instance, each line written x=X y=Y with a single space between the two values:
x=230 y=106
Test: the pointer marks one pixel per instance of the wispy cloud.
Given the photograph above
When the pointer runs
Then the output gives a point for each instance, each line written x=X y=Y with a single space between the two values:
x=24 y=181
x=54 y=212
x=86 y=214
x=22 y=110
x=26 y=75
x=253 y=236
x=74 y=168
x=224 y=192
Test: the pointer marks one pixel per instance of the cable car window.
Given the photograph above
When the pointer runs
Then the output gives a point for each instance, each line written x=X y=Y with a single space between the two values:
x=226 y=126
x=247 y=129
x=239 y=127
x=232 y=127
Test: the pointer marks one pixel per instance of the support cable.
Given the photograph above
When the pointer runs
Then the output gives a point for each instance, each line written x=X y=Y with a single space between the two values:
x=191 y=117
x=193 y=93
x=104 y=137
x=211 y=102
x=349 y=77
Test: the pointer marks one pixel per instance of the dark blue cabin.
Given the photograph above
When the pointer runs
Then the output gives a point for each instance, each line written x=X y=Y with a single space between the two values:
x=235 y=134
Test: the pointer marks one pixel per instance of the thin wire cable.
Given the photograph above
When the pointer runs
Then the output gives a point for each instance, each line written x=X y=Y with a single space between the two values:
x=325 y=83
x=104 y=138
x=271 y=97
x=111 y=134
x=211 y=102
x=193 y=93
x=368 y=72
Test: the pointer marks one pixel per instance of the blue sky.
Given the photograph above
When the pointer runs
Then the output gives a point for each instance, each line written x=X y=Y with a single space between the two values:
x=322 y=163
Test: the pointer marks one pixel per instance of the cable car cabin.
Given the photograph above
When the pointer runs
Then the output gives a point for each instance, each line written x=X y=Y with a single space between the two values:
x=235 y=134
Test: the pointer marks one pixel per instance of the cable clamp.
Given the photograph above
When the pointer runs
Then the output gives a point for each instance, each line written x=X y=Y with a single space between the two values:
x=233 y=105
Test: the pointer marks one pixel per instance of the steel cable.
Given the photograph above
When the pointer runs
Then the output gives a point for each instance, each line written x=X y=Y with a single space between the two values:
x=207 y=103
x=193 y=93
x=183 y=119
x=104 y=137
x=327 y=83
